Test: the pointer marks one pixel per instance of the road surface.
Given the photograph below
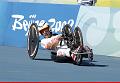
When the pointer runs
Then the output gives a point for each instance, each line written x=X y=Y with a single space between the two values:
x=15 y=65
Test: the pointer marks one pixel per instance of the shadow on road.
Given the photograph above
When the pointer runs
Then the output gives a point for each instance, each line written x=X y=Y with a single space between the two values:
x=43 y=59
x=84 y=63
x=92 y=64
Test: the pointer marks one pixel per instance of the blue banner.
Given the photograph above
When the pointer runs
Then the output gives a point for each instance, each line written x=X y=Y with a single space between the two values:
x=22 y=15
x=3 y=18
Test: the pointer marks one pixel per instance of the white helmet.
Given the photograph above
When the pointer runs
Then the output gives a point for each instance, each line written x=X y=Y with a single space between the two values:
x=43 y=27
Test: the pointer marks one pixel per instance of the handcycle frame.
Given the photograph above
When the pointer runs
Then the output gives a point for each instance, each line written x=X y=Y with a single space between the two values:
x=33 y=44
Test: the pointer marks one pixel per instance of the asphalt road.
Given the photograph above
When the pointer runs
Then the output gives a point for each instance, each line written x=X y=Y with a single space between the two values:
x=15 y=65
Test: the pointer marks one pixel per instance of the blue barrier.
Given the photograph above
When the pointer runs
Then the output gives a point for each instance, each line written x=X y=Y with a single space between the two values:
x=100 y=25
x=3 y=15
x=21 y=15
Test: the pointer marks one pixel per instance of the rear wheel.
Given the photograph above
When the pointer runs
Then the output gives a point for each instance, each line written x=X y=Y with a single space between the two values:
x=33 y=41
x=78 y=38
x=67 y=30
x=67 y=34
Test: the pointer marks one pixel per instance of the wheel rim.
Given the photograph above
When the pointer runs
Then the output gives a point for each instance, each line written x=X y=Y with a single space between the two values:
x=68 y=36
x=78 y=36
x=33 y=41
x=67 y=30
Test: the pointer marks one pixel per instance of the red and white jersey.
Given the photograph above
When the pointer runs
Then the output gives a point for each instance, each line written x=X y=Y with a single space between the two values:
x=63 y=51
x=50 y=43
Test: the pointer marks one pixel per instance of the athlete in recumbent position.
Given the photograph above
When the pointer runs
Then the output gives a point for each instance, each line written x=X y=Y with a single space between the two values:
x=69 y=43
x=51 y=42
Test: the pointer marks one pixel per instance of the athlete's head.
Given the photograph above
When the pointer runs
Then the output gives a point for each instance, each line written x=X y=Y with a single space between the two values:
x=45 y=30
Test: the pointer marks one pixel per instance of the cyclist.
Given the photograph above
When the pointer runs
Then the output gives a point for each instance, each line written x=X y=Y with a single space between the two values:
x=71 y=48
x=50 y=41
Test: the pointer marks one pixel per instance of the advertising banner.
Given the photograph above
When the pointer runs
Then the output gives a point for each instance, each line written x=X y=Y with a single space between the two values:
x=3 y=23
x=101 y=29
x=22 y=15
x=100 y=25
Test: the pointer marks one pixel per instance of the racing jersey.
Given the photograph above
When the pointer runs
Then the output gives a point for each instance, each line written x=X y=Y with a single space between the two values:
x=63 y=51
x=50 y=43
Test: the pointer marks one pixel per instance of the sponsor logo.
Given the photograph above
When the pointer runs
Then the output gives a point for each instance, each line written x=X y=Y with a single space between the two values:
x=21 y=23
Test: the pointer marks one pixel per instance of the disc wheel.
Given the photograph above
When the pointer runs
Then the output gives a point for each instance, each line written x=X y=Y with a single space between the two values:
x=33 y=41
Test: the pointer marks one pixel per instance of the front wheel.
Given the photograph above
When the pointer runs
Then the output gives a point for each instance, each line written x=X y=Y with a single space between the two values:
x=33 y=41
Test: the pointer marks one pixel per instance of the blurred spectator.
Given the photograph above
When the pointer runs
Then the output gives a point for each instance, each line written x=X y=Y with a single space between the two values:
x=87 y=2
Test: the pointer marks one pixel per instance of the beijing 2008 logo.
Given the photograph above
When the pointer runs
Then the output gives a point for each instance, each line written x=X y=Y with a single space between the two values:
x=20 y=22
